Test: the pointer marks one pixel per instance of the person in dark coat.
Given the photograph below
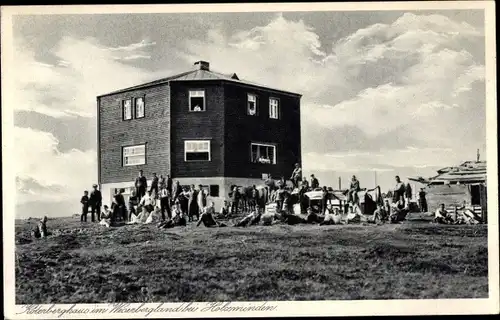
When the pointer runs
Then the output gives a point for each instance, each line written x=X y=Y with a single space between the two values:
x=133 y=202
x=177 y=190
x=95 y=202
x=422 y=201
x=193 y=204
x=169 y=183
x=314 y=182
x=85 y=206
x=141 y=185
x=324 y=199
x=154 y=186
x=118 y=207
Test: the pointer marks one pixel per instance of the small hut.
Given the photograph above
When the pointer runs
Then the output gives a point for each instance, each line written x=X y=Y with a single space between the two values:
x=458 y=186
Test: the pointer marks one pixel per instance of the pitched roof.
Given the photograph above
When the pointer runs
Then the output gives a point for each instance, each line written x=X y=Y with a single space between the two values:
x=469 y=171
x=198 y=75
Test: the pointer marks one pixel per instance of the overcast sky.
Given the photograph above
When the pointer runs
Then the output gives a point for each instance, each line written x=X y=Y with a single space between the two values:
x=384 y=93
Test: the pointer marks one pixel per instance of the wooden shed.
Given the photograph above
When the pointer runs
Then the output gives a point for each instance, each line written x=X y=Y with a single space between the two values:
x=458 y=186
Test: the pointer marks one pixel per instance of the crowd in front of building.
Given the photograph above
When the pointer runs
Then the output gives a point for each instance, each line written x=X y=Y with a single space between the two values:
x=174 y=204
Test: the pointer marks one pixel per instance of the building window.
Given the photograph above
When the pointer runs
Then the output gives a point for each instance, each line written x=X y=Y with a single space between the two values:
x=274 y=108
x=139 y=108
x=127 y=109
x=214 y=190
x=134 y=155
x=197 y=150
x=252 y=104
x=263 y=153
x=196 y=100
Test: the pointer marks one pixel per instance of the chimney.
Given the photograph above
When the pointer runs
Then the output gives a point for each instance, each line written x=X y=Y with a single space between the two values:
x=202 y=65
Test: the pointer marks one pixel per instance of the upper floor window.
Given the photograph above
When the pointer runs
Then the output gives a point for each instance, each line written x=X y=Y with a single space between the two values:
x=274 y=108
x=139 y=107
x=252 y=104
x=127 y=109
x=196 y=100
x=134 y=155
x=197 y=150
x=263 y=153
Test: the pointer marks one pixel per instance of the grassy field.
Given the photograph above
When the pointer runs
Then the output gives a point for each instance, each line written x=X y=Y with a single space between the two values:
x=86 y=263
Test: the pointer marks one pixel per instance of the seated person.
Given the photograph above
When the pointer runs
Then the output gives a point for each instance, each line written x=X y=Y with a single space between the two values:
x=311 y=217
x=207 y=217
x=398 y=211
x=442 y=216
x=178 y=220
x=106 y=217
x=380 y=214
x=251 y=219
x=331 y=216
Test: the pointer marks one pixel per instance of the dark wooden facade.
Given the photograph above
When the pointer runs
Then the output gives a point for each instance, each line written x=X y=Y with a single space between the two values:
x=225 y=122
x=116 y=133
x=242 y=129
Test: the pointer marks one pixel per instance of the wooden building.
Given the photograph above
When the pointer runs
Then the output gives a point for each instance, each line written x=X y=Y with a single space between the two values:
x=201 y=127
x=458 y=186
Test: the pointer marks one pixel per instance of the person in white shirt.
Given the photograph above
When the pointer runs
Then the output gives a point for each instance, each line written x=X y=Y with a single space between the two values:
x=332 y=216
x=148 y=202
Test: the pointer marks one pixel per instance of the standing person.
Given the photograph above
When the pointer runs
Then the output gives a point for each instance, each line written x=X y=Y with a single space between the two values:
x=280 y=198
x=296 y=175
x=314 y=182
x=235 y=200
x=324 y=199
x=302 y=197
x=133 y=202
x=95 y=201
x=141 y=184
x=183 y=198
x=154 y=186
x=169 y=184
x=85 y=206
x=165 y=202
x=119 y=209
x=254 y=195
x=399 y=190
x=352 y=196
x=148 y=202
x=192 y=204
x=201 y=199
x=161 y=181
x=305 y=184
x=422 y=201
x=177 y=190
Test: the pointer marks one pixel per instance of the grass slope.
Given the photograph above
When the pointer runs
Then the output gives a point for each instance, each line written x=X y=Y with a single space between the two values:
x=87 y=263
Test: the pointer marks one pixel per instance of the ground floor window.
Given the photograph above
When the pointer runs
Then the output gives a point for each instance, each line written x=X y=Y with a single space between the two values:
x=263 y=153
x=134 y=155
x=197 y=150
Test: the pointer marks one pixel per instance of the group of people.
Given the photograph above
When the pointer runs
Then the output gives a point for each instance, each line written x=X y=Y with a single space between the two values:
x=460 y=215
x=172 y=201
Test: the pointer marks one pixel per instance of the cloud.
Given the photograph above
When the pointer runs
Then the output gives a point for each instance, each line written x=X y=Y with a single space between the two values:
x=44 y=173
x=417 y=81
x=134 y=51
x=69 y=87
